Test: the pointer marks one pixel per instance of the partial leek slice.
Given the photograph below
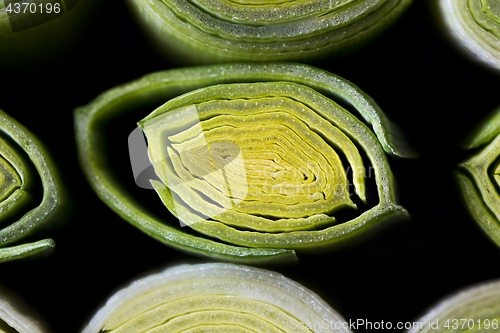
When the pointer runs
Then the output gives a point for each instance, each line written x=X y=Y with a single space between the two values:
x=479 y=176
x=206 y=31
x=300 y=92
x=473 y=310
x=216 y=298
x=474 y=27
x=16 y=317
x=15 y=186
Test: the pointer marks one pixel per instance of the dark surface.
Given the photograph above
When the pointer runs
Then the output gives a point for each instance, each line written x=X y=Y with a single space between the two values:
x=422 y=84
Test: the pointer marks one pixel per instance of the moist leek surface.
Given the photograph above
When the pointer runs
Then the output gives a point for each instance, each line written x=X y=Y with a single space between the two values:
x=474 y=26
x=479 y=176
x=286 y=83
x=215 y=298
x=221 y=31
x=18 y=147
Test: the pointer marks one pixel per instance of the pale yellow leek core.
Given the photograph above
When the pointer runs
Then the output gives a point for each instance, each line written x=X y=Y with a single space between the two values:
x=216 y=298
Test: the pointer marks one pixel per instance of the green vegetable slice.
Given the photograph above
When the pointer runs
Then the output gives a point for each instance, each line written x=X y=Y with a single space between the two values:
x=479 y=176
x=474 y=27
x=18 y=146
x=205 y=31
x=297 y=89
x=472 y=310
x=216 y=298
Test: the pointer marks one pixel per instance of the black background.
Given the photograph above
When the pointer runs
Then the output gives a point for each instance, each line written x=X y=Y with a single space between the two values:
x=434 y=94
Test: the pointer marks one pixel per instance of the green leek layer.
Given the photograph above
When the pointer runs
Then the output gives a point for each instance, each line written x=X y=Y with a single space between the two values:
x=18 y=148
x=479 y=176
x=216 y=298
x=206 y=31
x=283 y=106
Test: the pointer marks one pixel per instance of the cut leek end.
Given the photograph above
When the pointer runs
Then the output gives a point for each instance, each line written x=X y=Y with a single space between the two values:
x=187 y=43
x=23 y=151
x=478 y=176
x=272 y=85
x=215 y=297
x=481 y=213
x=476 y=38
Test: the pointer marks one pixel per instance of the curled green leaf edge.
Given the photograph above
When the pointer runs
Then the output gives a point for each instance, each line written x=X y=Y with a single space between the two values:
x=482 y=200
x=161 y=86
x=283 y=299
x=51 y=200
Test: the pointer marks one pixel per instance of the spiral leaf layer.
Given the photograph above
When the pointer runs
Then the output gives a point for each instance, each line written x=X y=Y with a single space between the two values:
x=216 y=298
x=262 y=165
x=479 y=176
x=219 y=31
x=18 y=149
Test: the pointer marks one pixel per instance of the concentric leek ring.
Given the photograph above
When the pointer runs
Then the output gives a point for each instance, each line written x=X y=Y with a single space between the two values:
x=31 y=30
x=17 y=147
x=204 y=31
x=473 y=310
x=283 y=125
x=216 y=298
x=474 y=26
x=479 y=176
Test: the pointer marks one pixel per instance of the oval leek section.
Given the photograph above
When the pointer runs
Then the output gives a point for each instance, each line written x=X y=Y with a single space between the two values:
x=479 y=176
x=15 y=317
x=216 y=298
x=473 y=310
x=206 y=31
x=285 y=107
x=19 y=148
x=474 y=27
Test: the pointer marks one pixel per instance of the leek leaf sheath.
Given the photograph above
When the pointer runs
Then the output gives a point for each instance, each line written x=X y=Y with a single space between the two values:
x=279 y=118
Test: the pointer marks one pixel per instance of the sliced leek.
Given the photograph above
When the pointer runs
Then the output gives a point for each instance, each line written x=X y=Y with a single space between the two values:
x=479 y=176
x=277 y=98
x=15 y=317
x=18 y=148
x=216 y=298
x=473 y=310
x=474 y=27
x=206 y=31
